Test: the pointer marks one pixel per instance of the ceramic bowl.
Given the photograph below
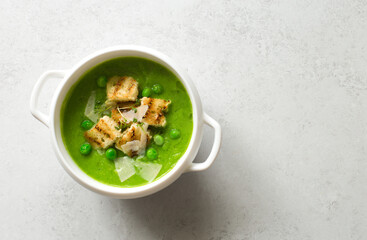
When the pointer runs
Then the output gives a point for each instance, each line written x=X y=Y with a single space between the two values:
x=69 y=77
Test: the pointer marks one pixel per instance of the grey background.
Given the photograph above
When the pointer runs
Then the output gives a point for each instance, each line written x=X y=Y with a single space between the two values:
x=286 y=80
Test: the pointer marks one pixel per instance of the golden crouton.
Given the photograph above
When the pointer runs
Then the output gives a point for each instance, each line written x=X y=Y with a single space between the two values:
x=155 y=113
x=134 y=140
x=122 y=89
x=116 y=116
x=103 y=134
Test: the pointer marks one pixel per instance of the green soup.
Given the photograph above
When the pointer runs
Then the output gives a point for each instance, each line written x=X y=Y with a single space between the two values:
x=147 y=73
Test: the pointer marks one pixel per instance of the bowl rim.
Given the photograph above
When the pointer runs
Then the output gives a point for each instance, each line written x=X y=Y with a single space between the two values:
x=73 y=76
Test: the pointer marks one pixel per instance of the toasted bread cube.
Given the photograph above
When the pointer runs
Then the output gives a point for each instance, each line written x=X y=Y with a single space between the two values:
x=155 y=113
x=116 y=116
x=134 y=132
x=122 y=89
x=134 y=140
x=103 y=134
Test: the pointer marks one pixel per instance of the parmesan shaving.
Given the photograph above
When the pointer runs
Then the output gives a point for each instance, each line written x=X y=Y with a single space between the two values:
x=137 y=113
x=148 y=170
x=122 y=115
x=125 y=168
x=141 y=111
x=89 y=109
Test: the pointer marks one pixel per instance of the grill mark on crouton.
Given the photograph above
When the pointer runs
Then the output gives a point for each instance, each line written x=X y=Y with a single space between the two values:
x=130 y=134
x=155 y=114
x=122 y=89
x=130 y=86
x=118 y=85
x=103 y=134
x=134 y=132
x=95 y=140
x=160 y=117
x=98 y=129
x=107 y=130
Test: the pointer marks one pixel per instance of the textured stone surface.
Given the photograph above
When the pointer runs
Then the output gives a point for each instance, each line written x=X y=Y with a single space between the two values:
x=287 y=80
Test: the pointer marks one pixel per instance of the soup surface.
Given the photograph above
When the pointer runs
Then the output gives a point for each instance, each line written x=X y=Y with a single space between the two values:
x=147 y=73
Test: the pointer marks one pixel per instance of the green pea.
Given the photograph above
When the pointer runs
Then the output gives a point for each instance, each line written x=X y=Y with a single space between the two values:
x=158 y=139
x=102 y=81
x=87 y=124
x=85 y=148
x=174 y=133
x=111 y=153
x=146 y=92
x=152 y=154
x=157 y=88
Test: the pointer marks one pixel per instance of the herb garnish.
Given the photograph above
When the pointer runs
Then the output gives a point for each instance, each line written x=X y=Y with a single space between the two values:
x=122 y=126
x=140 y=124
x=118 y=109
x=137 y=102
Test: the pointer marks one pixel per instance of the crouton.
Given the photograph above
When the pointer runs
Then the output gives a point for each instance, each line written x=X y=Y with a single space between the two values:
x=103 y=134
x=134 y=140
x=116 y=116
x=155 y=113
x=122 y=89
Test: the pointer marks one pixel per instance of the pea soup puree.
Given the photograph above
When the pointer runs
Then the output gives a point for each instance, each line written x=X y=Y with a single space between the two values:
x=127 y=121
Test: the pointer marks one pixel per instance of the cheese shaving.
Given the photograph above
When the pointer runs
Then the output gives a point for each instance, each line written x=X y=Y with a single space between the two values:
x=137 y=113
x=89 y=109
x=124 y=168
x=148 y=170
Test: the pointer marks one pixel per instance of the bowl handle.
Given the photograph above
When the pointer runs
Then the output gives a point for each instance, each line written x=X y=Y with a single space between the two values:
x=36 y=90
x=194 y=167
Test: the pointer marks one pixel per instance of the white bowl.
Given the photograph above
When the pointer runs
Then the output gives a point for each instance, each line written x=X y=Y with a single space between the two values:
x=69 y=77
